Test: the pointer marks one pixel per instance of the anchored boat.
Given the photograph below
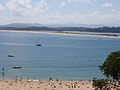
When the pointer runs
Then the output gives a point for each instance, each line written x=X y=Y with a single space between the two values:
x=17 y=67
x=10 y=55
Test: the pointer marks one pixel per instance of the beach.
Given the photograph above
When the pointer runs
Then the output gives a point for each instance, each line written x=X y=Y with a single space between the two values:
x=65 y=33
x=45 y=85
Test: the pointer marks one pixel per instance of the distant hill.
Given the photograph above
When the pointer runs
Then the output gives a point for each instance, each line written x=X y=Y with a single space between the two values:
x=50 y=25
x=74 y=25
x=62 y=27
x=19 y=25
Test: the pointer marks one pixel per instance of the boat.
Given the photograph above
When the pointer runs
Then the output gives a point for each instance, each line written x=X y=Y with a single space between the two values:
x=17 y=67
x=10 y=55
x=56 y=38
x=38 y=44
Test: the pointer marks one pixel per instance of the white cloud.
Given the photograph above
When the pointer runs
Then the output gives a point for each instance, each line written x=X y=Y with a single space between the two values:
x=25 y=7
x=94 y=17
x=41 y=7
x=81 y=1
x=114 y=11
x=58 y=17
x=107 y=5
x=19 y=7
x=1 y=7
x=95 y=12
x=63 y=4
x=37 y=13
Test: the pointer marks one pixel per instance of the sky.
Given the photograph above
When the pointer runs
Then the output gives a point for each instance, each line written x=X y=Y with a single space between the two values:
x=60 y=11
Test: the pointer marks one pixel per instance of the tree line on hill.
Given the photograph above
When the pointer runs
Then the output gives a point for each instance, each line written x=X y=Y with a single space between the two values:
x=104 y=29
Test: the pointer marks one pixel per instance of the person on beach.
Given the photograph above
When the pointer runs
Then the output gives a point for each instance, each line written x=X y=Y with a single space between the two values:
x=3 y=73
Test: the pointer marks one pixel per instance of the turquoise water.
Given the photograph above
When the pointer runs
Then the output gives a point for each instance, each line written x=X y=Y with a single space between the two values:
x=67 y=57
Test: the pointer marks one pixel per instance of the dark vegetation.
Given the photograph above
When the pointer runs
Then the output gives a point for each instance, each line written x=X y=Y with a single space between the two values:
x=111 y=70
x=104 y=29
x=111 y=66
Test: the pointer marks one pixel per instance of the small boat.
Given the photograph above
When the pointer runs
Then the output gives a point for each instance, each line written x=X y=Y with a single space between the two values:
x=10 y=55
x=17 y=67
x=38 y=44
x=56 y=38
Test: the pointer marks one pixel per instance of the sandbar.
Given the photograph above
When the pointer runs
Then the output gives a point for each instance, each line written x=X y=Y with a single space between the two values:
x=65 y=33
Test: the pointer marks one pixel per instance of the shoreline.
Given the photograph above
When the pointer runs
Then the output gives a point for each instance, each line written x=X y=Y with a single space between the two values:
x=65 y=33
x=45 y=85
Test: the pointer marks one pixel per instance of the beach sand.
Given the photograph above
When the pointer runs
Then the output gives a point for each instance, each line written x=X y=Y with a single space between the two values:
x=63 y=33
x=45 y=85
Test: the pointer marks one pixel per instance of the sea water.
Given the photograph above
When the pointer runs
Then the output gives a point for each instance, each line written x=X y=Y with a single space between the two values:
x=60 y=57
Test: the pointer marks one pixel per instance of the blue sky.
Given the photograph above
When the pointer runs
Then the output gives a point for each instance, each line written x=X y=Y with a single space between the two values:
x=60 y=11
